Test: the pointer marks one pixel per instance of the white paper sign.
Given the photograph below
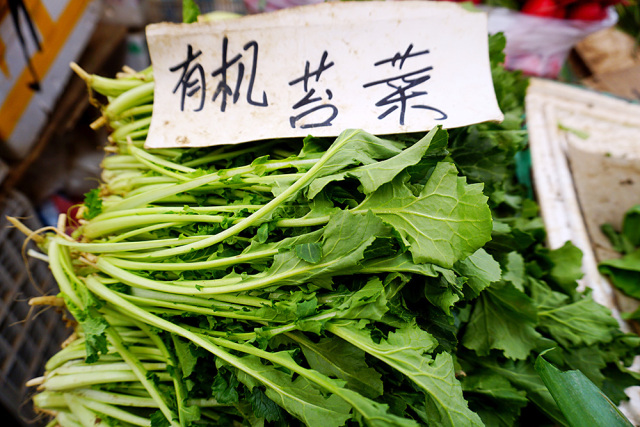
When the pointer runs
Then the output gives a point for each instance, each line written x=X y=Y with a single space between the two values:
x=385 y=67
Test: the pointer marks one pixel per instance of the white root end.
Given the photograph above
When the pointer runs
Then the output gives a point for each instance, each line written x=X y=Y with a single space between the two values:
x=82 y=210
x=90 y=259
x=98 y=123
x=80 y=72
x=47 y=300
x=62 y=223
x=35 y=382
x=25 y=230
x=69 y=340
x=37 y=255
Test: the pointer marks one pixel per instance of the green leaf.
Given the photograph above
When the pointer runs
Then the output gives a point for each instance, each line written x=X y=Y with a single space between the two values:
x=481 y=158
x=310 y=252
x=581 y=322
x=382 y=248
x=518 y=236
x=567 y=266
x=494 y=387
x=370 y=302
x=402 y=263
x=515 y=271
x=190 y=414
x=581 y=402
x=298 y=397
x=494 y=398
x=624 y=273
x=186 y=359
x=406 y=350
x=287 y=309
x=93 y=202
x=616 y=380
x=371 y=412
x=448 y=221
x=480 y=270
x=190 y=11
x=375 y=414
x=225 y=386
x=337 y=358
x=158 y=419
x=503 y=319
x=445 y=290
x=262 y=406
x=631 y=225
x=446 y=406
x=306 y=307
x=619 y=241
x=345 y=238
x=524 y=377
x=93 y=326
x=352 y=148
x=589 y=361
x=263 y=233
x=442 y=327
x=373 y=175
x=584 y=322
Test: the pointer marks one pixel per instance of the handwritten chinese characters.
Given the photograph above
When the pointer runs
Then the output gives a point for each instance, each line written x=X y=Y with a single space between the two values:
x=330 y=111
x=191 y=86
x=320 y=70
x=313 y=109
x=404 y=85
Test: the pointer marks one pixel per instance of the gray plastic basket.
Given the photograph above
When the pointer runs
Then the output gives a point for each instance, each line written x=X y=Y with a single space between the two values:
x=28 y=337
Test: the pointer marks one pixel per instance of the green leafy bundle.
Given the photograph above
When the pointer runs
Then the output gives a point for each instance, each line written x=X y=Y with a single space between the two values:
x=624 y=272
x=391 y=281
x=629 y=19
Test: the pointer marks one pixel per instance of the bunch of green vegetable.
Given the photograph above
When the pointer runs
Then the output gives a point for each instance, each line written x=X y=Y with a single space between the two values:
x=624 y=272
x=629 y=18
x=358 y=281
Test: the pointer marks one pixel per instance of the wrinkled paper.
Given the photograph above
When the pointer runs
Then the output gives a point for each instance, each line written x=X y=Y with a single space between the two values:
x=385 y=67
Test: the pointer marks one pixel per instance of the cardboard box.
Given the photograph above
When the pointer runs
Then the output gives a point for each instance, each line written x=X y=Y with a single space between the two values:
x=62 y=28
x=624 y=82
x=612 y=63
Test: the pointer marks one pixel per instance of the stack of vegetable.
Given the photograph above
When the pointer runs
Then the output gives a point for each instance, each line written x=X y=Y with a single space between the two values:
x=356 y=281
x=624 y=272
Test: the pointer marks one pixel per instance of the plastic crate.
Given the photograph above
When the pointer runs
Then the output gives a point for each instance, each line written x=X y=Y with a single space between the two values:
x=28 y=336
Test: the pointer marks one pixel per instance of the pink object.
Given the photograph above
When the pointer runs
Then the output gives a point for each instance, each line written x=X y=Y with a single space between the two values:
x=257 y=6
x=539 y=46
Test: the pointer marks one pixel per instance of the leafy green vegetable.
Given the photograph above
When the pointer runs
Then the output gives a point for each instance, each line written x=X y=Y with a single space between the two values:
x=581 y=402
x=624 y=272
x=404 y=350
x=338 y=358
x=498 y=402
x=358 y=280
x=190 y=11
x=504 y=318
x=93 y=202
x=436 y=224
